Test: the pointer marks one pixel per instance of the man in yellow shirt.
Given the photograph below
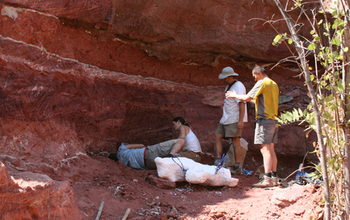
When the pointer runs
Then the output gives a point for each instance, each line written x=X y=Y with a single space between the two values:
x=264 y=95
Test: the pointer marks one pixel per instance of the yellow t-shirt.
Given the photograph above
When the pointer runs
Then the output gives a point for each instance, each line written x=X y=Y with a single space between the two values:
x=265 y=92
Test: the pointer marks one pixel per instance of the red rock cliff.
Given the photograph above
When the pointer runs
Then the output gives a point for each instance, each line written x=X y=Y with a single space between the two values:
x=79 y=77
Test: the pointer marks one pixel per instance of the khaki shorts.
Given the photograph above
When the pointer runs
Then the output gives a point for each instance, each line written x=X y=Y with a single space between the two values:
x=157 y=150
x=265 y=131
x=230 y=130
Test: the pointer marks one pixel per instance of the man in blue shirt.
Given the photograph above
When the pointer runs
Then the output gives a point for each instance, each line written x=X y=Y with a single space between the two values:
x=139 y=156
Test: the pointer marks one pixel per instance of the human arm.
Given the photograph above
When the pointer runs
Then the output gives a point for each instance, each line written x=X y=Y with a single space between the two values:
x=183 y=132
x=233 y=94
x=179 y=143
x=134 y=146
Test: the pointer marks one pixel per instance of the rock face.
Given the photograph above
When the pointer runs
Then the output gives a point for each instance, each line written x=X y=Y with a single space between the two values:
x=74 y=107
x=30 y=195
x=79 y=77
x=179 y=41
x=186 y=31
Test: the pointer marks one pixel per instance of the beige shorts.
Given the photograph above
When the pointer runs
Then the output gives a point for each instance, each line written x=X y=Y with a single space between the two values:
x=157 y=150
x=230 y=130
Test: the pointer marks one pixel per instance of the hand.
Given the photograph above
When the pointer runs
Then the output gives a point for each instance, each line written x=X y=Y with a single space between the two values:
x=240 y=125
x=230 y=94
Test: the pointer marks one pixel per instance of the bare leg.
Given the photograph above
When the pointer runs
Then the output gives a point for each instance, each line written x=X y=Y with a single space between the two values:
x=269 y=157
x=218 y=145
x=238 y=149
x=274 y=158
x=179 y=143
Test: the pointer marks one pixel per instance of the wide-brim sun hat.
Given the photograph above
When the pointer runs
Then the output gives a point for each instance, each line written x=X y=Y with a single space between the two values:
x=226 y=72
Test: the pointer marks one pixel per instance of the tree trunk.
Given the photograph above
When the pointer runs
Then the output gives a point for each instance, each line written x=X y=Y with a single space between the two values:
x=346 y=77
x=302 y=56
x=347 y=172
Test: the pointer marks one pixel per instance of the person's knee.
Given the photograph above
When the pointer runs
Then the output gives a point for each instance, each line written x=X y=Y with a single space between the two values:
x=217 y=136
x=267 y=150
x=264 y=149
x=236 y=142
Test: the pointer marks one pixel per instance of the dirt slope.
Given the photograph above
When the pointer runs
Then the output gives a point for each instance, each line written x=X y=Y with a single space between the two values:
x=121 y=188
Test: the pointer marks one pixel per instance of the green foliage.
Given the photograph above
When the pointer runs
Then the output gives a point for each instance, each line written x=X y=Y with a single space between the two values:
x=312 y=46
x=327 y=45
x=279 y=39
x=336 y=41
x=297 y=115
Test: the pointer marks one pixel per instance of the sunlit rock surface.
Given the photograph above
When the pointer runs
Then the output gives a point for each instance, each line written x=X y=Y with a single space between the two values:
x=27 y=195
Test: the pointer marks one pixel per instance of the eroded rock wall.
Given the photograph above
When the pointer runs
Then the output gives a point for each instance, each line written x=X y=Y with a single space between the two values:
x=95 y=71
x=67 y=101
x=28 y=195
x=180 y=41
x=90 y=74
x=72 y=107
x=79 y=77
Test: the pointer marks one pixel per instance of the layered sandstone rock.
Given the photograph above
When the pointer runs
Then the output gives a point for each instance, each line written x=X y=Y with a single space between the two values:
x=49 y=100
x=27 y=195
x=50 y=97
x=79 y=77
x=187 y=31
x=180 y=41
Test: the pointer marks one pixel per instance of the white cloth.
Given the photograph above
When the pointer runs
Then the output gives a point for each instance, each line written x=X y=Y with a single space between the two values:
x=196 y=173
x=231 y=108
x=192 y=143
x=243 y=142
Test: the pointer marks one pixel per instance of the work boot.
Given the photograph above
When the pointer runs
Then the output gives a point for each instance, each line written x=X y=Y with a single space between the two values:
x=236 y=170
x=266 y=182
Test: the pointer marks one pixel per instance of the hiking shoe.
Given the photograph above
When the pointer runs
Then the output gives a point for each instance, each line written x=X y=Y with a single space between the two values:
x=266 y=182
x=236 y=170
x=275 y=181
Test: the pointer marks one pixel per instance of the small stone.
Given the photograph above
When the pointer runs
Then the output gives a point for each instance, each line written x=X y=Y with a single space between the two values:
x=161 y=183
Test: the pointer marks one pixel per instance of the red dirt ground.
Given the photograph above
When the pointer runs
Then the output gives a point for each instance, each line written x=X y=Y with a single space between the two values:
x=120 y=188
